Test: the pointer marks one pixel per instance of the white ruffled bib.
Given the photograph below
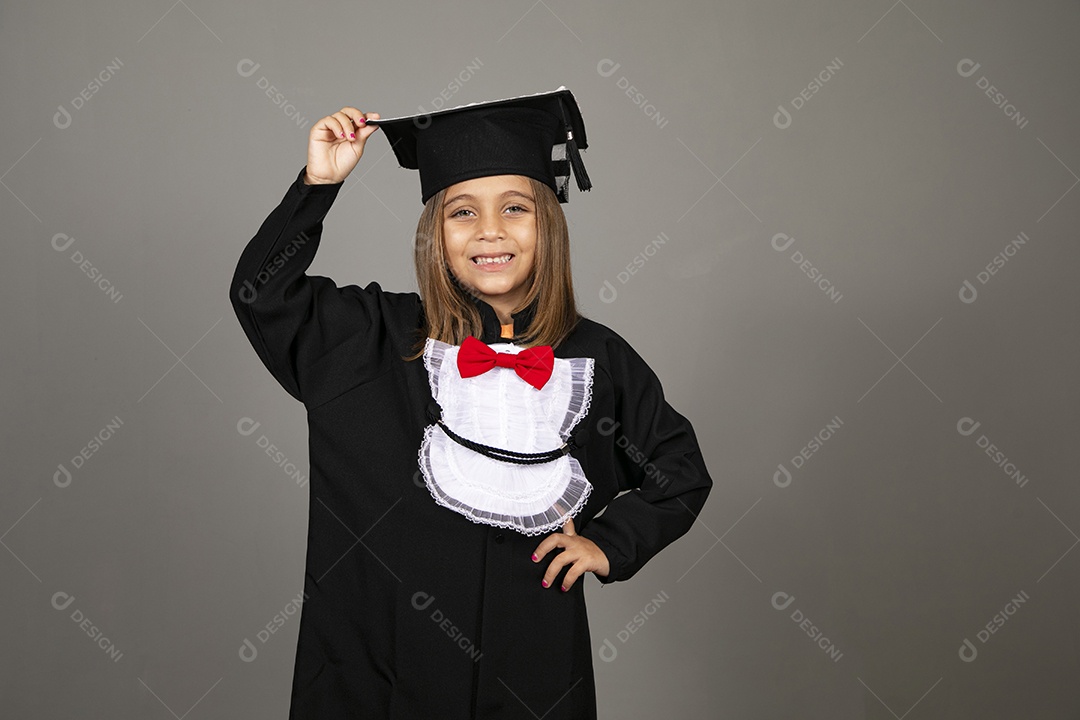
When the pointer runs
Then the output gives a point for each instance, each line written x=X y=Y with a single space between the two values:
x=500 y=409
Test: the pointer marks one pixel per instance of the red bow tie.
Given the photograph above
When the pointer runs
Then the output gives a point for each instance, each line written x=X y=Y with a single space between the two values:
x=534 y=364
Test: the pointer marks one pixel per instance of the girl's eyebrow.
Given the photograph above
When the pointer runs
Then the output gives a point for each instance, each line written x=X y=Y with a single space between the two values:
x=466 y=196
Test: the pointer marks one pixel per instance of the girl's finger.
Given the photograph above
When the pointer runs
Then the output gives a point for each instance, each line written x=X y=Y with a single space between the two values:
x=330 y=125
x=571 y=577
x=333 y=124
x=373 y=116
x=357 y=118
x=345 y=123
x=549 y=543
x=554 y=568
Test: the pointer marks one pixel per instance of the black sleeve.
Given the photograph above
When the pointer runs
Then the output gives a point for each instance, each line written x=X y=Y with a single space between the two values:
x=293 y=319
x=658 y=462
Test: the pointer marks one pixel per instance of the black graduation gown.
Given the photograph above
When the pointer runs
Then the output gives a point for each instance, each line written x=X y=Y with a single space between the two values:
x=413 y=611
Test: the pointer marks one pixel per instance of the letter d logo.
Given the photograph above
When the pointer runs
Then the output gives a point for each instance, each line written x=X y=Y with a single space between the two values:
x=608 y=293
x=248 y=652
x=780 y=597
x=62 y=118
x=967 y=67
x=966 y=426
x=61 y=600
x=782 y=473
x=968 y=293
x=782 y=118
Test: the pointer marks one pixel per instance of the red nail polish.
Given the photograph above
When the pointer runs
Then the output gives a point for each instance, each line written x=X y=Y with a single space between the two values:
x=564 y=588
x=544 y=583
x=352 y=135
x=342 y=134
x=534 y=557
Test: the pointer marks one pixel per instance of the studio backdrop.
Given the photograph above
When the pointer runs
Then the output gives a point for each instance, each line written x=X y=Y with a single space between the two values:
x=842 y=233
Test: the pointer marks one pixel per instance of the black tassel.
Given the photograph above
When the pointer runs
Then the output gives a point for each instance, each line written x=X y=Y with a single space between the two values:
x=574 y=155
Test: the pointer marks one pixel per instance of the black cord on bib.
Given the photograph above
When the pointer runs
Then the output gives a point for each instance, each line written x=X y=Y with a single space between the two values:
x=520 y=458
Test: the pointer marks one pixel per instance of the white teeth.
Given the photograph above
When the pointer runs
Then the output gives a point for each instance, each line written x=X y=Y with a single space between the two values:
x=489 y=260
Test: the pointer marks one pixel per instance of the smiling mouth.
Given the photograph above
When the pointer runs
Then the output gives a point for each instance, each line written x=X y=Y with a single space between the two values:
x=492 y=259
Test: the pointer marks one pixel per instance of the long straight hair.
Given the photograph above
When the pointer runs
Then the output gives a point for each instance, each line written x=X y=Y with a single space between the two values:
x=450 y=315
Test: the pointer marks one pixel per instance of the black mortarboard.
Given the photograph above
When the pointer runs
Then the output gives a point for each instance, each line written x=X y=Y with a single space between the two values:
x=538 y=136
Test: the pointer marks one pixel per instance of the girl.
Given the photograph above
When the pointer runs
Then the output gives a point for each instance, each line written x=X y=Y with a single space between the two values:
x=464 y=439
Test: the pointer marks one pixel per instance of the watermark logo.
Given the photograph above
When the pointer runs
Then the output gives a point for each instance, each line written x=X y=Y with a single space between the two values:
x=247 y=427
x=608 y=292
x=968 y=650
x=782 y=119
x=62 y=600
x=422 y=601
x=606 y=68
x=782 y=601
x=967 y=67
x=781 y=242
x=424 y=240
x=63 y=117
x=453 y=87
x=61 y=242
x=608 y=426
x=63 y=476
x=247 y=292
x=782 y=476
x=968 y=292
x=967 y=427
x=248 y=650
x=608 y=650
x=247 y=67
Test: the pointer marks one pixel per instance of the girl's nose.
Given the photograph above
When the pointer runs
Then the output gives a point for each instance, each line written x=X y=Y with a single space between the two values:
x=491 y=227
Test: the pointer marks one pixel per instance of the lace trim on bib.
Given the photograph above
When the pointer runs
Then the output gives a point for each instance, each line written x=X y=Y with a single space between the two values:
x=500 y=409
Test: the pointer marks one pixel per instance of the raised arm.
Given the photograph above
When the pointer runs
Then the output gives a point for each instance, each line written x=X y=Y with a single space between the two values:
x=291 y=318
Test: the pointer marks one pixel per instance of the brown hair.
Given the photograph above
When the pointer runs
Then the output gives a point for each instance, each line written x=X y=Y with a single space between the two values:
x=450 y=315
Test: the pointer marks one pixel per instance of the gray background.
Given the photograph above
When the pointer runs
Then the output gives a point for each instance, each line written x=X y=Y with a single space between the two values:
x=898 y=178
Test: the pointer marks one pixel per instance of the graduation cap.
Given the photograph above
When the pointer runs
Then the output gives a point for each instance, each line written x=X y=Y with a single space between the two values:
x=537 y=135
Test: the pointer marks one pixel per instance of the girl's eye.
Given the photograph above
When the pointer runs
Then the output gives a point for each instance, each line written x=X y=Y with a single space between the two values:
x=518 y=208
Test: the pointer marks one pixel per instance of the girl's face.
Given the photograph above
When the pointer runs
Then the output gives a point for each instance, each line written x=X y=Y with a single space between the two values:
x=489 y=230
